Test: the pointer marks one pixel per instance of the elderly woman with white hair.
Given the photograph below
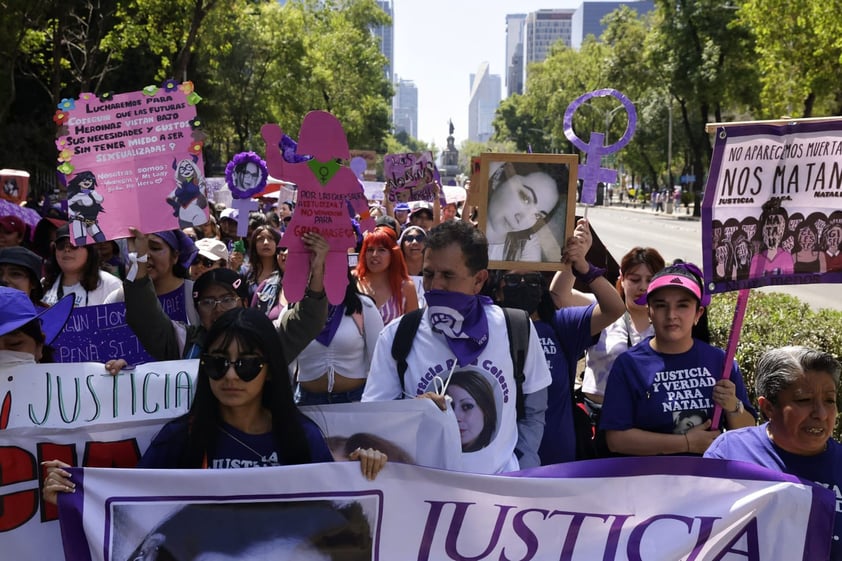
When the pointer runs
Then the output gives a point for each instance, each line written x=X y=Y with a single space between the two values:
x=796 y=392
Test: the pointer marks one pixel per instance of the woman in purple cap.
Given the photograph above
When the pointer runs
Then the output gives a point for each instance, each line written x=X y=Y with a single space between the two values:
x=25 y=331
x=661 y=393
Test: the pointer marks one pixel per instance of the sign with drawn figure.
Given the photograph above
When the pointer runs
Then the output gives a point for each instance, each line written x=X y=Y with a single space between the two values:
x=617 y=509
x=98 y=334
x=326 y=189
x=132 y=159
x=772 y=211
x=411 y=177
x=527 y=204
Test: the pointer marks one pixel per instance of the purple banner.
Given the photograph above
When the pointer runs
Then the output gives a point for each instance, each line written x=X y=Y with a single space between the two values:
x=99 y=334
x=772 y=211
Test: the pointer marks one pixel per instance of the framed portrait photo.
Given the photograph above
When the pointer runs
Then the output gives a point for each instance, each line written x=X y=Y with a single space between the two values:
x=527 y=204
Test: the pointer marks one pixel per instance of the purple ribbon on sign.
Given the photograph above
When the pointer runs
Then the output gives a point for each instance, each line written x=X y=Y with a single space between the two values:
x=461 y=319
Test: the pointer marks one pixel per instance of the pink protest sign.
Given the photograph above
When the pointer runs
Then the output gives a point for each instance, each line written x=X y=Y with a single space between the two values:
x=325 y=189
x=411 y=176
x=132 y=159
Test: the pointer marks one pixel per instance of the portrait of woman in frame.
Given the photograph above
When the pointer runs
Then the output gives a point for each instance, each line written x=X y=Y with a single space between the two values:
x=527 y=204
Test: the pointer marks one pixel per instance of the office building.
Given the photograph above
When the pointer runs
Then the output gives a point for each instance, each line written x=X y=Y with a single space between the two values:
x=587 y=20
x=542 y=29
x=405 y=107
x=514 y=53
x=485 y=97
x=387 y=39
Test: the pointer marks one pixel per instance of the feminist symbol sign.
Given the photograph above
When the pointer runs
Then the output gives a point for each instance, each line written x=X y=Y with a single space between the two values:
x=591 y=173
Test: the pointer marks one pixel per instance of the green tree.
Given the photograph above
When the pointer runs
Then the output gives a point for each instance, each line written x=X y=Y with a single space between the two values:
x=798 y=50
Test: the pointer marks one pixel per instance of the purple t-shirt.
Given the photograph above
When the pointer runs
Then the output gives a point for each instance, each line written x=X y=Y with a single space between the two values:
x=665 y=393
x=752 y=444
x=174 y=305
x=234 y=449
x=563 y=342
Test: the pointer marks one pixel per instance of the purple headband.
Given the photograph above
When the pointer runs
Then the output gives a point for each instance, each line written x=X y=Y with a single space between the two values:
x=178 y=241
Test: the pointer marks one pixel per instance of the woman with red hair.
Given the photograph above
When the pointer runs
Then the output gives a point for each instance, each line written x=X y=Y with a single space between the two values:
x=382 y=275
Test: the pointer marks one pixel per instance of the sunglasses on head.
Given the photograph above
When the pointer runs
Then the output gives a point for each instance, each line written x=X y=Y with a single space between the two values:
x=409 y=238
x=247 y=368
x=532 y=279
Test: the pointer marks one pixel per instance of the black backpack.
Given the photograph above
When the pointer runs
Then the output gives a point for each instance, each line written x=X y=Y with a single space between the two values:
x=517 y=327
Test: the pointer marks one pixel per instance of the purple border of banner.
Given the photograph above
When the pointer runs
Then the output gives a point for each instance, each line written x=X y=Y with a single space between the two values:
x=820 y=523
x=71 y=514
x=821 y=512
x=795 y=127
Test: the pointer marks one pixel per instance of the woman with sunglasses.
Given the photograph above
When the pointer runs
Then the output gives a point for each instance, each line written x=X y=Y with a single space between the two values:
x=566 y=333
x=243 y=414
x=411 y=243
x=75 y=270
x=381 y=274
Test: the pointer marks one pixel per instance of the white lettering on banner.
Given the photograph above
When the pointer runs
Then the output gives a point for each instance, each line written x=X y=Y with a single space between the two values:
x=410 y=512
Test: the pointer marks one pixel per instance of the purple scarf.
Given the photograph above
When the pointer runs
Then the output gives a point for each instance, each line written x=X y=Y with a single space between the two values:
x=461 y=319
x=334 y=318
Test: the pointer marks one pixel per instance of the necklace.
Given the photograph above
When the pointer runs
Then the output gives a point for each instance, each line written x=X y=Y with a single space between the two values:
x=243 y=444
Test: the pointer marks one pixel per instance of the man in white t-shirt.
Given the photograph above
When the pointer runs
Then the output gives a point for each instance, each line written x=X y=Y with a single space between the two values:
x=462 y=344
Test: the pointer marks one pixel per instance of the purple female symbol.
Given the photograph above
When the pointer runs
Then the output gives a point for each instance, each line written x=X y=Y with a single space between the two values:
x=591 y=173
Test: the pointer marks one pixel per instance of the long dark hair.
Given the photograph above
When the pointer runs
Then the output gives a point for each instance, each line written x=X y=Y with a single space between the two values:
x=90 y=272
x=254 y=258
x=254 y=333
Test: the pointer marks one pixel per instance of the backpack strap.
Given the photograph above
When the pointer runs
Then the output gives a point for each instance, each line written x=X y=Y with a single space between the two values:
x=517 y=327
x=402 y=343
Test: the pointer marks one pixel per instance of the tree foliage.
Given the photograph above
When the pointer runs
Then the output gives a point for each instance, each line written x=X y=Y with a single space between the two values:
x=253 y=61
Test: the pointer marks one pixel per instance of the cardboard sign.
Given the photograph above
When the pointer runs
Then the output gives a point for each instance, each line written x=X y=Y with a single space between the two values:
x=772 y=212
x=327 y=190
x=133 y=159
x=411 y=177
x=98 y=334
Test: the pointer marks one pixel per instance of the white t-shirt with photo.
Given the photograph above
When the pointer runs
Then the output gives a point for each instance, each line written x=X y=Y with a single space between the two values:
x=430 y=357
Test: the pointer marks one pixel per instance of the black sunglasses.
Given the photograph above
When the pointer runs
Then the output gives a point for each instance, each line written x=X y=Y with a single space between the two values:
x=409 y=238
x=207 y=263
x=532 y=279
x=246 y=368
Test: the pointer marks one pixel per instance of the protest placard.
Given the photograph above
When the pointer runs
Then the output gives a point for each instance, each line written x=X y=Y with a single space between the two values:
x=411 y=177
x=772 y=211
x=132 y=159
x=98 y=334
x=326 y=191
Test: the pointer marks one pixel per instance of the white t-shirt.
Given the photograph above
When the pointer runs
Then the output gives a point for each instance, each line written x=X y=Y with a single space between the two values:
x=350 y=351
x=600 y=357
x=430 y=357
x=107 y=284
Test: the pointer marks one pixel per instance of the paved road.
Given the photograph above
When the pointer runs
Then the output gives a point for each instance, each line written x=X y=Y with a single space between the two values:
x=679 y=236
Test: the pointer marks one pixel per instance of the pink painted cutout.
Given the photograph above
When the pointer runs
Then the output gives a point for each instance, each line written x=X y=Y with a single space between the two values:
x=321 y=209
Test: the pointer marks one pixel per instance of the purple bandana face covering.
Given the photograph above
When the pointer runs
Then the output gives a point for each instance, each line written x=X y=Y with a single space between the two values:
x=461 y=319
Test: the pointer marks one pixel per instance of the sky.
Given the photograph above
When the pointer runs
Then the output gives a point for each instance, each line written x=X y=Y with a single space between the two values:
x=440 y=43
